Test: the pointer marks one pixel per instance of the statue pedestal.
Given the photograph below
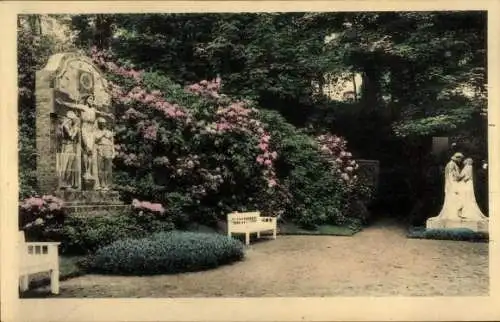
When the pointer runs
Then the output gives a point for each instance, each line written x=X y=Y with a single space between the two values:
x=479 y=225
x=90 y=201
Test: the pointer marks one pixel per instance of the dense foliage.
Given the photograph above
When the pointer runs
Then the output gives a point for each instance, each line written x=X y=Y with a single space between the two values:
x=218 y=154
x=166 y=253
x=428 y=68
x=85 y=233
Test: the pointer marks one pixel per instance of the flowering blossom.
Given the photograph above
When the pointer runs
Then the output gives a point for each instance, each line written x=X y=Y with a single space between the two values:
x=206 y=88
x=237 y=117
x=37 y=211
x=153 y=99
x=148 y=206
x=101 y=58
x=334 y=148
x=42 y=203
x=149 y=130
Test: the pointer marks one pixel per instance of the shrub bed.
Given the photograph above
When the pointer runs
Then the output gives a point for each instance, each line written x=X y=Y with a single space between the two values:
x=458 y=234
x=83 y=234
x=166 y=253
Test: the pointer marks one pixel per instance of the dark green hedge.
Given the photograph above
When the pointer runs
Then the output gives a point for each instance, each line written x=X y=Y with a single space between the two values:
x=459 y=234
x=166 y=253
x=84 y=234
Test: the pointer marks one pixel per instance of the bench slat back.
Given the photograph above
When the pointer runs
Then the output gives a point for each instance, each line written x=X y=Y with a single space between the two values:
x=241 y=218
x=28 y=249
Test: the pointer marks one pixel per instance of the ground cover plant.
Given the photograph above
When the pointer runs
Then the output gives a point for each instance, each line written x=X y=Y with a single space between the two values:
x=166 y=253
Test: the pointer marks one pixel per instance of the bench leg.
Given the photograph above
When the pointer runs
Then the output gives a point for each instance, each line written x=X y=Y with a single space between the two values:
x=258 y=234
x=54 y=281
x=247 y=238
x=274 y=233
x=24 y=283
x=229 y=234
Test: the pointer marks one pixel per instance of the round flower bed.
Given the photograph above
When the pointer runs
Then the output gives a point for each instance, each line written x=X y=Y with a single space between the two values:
x=166 y=253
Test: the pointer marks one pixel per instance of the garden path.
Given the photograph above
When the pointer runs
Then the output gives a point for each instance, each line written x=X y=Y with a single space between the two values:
x=379 y=261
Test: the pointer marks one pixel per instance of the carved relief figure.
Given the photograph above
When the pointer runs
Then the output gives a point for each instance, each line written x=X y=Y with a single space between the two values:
x=105 y=154
x=88 y=115
x=68 y=133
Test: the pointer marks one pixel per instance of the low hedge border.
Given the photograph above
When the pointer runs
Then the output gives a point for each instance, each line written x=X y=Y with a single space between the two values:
x=456 y=234
x=166 y=253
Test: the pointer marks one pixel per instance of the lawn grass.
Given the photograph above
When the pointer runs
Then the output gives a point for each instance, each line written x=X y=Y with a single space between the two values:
x=288 y=228
x=328 y=230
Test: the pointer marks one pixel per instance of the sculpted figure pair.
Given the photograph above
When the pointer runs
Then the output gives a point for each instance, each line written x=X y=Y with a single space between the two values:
x=97 y=145
x=460 y=201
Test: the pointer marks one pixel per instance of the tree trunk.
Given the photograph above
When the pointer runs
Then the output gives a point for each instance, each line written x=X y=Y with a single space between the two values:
x=354 y=87
x=103 y=31
x=370 y=92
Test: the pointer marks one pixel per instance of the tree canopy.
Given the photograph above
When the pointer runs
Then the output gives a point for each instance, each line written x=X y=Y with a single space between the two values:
x=425 y=71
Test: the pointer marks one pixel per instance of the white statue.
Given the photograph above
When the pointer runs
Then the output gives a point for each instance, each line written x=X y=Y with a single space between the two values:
x=468 y=207
x=88 y=115
x=460 y=209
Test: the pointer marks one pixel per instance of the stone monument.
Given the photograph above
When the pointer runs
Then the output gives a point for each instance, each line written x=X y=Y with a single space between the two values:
x=460 y=209
x=74 y=136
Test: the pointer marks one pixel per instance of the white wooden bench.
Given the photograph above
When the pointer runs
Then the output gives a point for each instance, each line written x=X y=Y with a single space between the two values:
x=38 y=257
x=248 y=223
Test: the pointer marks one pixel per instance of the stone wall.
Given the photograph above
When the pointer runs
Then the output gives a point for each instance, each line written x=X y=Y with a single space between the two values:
x=368 y=173
x=45 y=115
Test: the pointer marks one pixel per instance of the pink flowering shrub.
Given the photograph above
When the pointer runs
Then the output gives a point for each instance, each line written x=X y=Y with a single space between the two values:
x=41 y=217
x=152 y=216
x=334 y=148
x=202 y=154
x=189 y=140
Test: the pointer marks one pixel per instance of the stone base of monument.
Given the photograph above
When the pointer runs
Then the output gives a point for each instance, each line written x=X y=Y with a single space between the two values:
x=90 y=201
x=480 y=225
x=88 y=184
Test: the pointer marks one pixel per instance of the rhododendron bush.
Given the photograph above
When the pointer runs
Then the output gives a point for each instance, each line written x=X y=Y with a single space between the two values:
x=218 y=153
x=41 y=217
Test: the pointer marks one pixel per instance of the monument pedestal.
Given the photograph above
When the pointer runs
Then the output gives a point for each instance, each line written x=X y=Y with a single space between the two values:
x=480 y=225
x=90 y=201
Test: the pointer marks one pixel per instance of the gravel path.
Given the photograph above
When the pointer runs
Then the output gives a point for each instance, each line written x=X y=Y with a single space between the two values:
x=379 y=261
